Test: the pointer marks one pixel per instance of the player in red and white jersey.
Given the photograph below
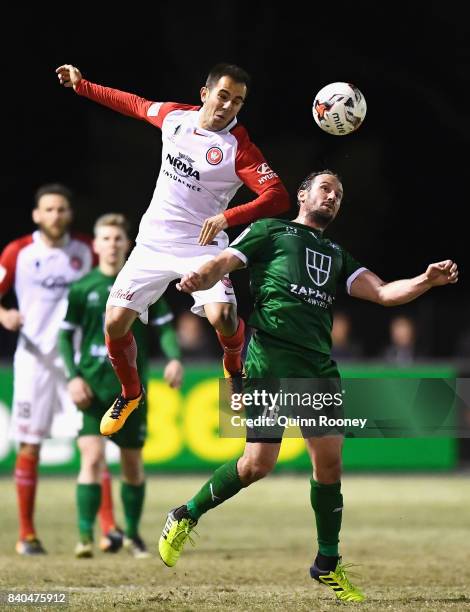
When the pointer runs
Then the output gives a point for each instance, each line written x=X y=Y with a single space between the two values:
x=206 y=157
x=39 y=267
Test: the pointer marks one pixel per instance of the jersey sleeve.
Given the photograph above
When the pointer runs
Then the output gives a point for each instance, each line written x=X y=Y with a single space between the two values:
x=250 y=243
x=161 y=316
x=8 y=260
x=129 y=104
x=350 y=270
x=66 y=350
x=74 y=315
x=252 y=168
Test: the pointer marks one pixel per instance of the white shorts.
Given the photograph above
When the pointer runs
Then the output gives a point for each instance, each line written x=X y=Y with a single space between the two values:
x=148 y=272
x=39 y=392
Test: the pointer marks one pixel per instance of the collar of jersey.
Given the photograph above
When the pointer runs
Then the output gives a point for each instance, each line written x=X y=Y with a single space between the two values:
x=226 y=129
x=318 y=233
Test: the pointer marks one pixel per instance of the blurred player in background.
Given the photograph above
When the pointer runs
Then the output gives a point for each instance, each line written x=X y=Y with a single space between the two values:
x=93 y=384
x=294 y=276
x=39 y=267
x=206 y=157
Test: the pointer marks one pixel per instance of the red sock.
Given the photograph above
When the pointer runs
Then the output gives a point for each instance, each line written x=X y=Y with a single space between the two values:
x=122 y=353
x=26 y=477
x=233 y=346
x=106 y=513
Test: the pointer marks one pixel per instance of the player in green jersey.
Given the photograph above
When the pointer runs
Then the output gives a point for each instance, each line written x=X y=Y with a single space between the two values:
x=294 y=273
x=92 y=384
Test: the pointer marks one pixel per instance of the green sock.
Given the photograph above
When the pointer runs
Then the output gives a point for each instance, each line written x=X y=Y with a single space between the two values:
x=327 y=503
x=224 y=483
x=133 y=501
x=88 y=503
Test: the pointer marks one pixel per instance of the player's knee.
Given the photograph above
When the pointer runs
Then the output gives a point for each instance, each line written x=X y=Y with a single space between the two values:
x=29 y=450
x=328 y=472
x=92 y=462
x=224 y=318
x=115 y=324
x=250 y=470
x=133 y=474
x=132 y=467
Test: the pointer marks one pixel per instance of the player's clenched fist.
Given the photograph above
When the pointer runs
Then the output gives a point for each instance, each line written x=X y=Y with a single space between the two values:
x=190 y=282
x=442 y=273
x=173 y=373
x=80 y=392
x=11 y=319
x=68 y=75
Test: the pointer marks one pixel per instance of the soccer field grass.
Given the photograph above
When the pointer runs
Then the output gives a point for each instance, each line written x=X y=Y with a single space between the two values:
x=408 y=535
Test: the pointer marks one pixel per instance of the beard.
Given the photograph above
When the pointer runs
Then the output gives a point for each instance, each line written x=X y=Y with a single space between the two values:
x=323 y=219
x=54 y=233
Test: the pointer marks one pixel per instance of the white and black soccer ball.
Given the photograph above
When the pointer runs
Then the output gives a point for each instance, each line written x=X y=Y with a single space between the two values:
x=339 y=108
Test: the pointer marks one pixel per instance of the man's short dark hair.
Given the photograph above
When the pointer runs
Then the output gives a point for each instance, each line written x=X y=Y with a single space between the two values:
x=306 y=184
x=53 y=188
x=231 y=70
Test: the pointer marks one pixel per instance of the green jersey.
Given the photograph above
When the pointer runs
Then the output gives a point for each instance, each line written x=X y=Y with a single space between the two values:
x=294 y=274
x=86 y=308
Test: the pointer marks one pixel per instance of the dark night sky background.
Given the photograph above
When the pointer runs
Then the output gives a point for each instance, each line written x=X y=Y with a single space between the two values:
x=404 y=172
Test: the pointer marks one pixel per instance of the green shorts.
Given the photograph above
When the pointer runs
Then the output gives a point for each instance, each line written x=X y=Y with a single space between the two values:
x=132 y=435
x=276 y=366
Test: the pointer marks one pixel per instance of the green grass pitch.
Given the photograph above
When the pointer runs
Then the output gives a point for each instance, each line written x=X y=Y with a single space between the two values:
x=409 y=536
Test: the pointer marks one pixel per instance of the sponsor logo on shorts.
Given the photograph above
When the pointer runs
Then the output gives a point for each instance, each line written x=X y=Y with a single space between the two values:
x=214 y=156
x=123 y=294
x=24 y=410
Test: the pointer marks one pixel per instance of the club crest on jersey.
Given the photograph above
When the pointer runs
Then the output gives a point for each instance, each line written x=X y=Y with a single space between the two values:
x=214 y=156
x=76 y=262
x=183 y=165
x=318 y=267
x=93 y=297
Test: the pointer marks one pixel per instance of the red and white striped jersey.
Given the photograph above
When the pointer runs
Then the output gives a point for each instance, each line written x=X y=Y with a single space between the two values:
x=200 y=170
x=40 y=276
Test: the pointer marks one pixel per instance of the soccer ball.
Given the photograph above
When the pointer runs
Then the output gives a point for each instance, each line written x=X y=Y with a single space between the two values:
x=339 y=108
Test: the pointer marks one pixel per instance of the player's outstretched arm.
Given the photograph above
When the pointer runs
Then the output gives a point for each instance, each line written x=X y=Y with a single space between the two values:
x=210 y=273
x=120 y=101
x=69 y=76
x=368 y=286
